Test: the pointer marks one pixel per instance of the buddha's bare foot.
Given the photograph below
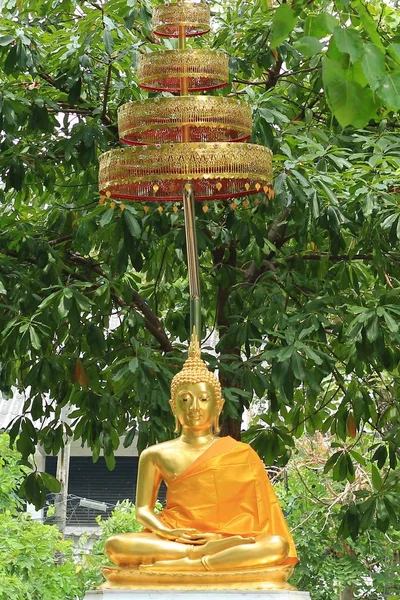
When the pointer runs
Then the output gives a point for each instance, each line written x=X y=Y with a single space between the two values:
x=215 y=546
x=180 y=564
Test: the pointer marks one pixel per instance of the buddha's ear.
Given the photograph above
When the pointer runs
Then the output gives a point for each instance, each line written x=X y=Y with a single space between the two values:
x=173 y=408
x=221 y=404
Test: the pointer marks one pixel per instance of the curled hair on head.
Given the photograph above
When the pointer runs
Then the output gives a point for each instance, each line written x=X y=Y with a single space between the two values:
x=195 y=371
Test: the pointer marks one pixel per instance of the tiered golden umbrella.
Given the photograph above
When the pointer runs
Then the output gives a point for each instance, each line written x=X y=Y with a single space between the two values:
x=185 y=147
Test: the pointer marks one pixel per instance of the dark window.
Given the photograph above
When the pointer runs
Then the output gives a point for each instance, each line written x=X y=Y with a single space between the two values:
x=95 y=482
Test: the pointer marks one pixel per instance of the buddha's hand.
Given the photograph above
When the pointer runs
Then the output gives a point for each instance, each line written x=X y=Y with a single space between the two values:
x=198 y=538
x=180 y=534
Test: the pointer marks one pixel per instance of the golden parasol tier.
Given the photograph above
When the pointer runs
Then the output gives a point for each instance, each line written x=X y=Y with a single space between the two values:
x=202 y=69
x=158 y=172
x=199 y=151
x=168 y=18
x=160 y=120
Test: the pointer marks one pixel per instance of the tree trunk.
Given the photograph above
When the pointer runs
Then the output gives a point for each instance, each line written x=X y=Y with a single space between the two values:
x=60 y=502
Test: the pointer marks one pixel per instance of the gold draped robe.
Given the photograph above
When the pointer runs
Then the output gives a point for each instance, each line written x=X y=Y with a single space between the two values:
x=226 y=490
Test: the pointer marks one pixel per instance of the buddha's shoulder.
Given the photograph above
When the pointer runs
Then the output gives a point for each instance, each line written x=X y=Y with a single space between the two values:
x=159 y=450
x=245 y=448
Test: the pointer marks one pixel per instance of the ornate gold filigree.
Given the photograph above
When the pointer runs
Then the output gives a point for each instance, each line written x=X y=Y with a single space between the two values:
x=218 y=170
x=163 y=71
x=159 y=120
x=267 y=578
x=195 y=17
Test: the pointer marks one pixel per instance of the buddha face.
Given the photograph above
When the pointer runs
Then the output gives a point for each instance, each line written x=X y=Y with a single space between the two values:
x=195 y=405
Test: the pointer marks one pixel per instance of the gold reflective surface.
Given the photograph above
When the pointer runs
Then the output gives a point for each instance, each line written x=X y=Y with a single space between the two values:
x=157 y=172
x=160 y=120
x=162 y=71
x=195 y=17
x=222 y=523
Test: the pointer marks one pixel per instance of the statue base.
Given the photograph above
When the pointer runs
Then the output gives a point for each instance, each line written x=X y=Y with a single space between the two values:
x=199 y=595
x=267 y=578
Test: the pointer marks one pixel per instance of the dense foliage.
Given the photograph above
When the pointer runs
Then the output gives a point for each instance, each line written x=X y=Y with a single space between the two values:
x=35 y=562
x=331 y=567
x=302 y=290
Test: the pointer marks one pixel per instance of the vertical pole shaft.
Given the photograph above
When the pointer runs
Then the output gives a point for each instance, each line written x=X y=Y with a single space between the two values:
x=192 y=258
x=190 y=223
x=184 y=82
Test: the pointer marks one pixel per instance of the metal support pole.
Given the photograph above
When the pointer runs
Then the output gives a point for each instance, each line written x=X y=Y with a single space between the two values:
x=184 y=82
x=192 y=258
x=190 y=223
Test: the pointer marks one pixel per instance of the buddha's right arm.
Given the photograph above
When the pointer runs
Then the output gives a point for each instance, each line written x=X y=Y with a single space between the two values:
x=148 y=484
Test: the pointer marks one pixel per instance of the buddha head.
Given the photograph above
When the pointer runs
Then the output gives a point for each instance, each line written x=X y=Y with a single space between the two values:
x=196 y=398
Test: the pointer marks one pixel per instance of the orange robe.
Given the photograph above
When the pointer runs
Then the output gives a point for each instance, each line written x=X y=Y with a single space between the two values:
x=227 y=490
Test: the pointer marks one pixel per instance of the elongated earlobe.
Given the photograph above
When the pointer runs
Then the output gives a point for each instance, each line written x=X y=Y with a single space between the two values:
x=177 y=425
x=216 y=422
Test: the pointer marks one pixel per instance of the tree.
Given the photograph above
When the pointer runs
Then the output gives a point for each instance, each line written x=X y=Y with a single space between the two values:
x=330 y=566
x=301 y=288
x=30 y=565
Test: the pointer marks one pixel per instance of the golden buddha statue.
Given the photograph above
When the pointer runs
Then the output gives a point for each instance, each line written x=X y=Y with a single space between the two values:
x=222 y=524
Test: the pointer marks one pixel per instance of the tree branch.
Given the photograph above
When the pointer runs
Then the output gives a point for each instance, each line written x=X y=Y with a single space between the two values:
x=276 y=235
x=333 y=257
x=152 y=322
x=106 y=91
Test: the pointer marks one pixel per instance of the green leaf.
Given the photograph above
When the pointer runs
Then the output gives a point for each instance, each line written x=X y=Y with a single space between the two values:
x=285 y=353
x=2 y=288
x=320 y=25
x=51 y=482
x=373 y=329
x=108 y=42
x=376 y=478
x=330 y=463
x=96 y=341
x=308 y=46
x=350 y=103
x=370 y=25
x=106 y=217
x=132 y=224
x=390 y=322
x=298 y=367
x=129 y=437
x=5 y=40
x=110 y=461
x=64 y=306
x=380 y=456
x=313 y=355
x=389 y=90
x=25 y=444
x=373 y=65
x=394 y=51
x=348 y=41
x=350 y=469
x=82 y=301
x=33 y=490
x=75 y=92
x=35 y=340
x=367 y=512
x=133 y=365
x=283 y=23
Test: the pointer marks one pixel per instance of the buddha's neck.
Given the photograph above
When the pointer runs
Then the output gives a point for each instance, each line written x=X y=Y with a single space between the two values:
x=196 y=437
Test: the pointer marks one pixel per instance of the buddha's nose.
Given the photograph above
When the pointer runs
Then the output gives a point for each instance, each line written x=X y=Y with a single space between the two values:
x=195 y=405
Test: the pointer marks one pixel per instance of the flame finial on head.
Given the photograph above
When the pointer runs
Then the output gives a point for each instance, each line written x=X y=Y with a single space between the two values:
x=194 y=347
x=195 y=370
